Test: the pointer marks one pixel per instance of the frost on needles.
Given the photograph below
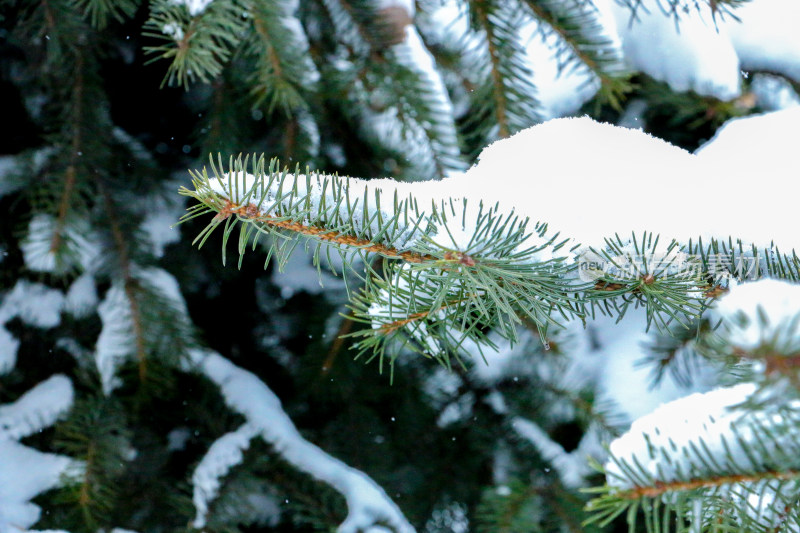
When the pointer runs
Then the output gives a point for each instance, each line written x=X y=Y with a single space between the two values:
x=458 y=266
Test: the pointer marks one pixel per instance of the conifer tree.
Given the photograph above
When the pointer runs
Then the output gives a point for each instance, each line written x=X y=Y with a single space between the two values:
x=265 y=343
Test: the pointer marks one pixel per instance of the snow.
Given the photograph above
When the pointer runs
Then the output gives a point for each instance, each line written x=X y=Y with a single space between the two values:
x=572 y=468
x=762 y=312
x=773 y=93
x=80 y=245
x=367 y=503
x=158 y=226
x=36 y=305
x=25 y=472
x=692 y=54
x=667 y=455
x=689 y=438
x=647 y=179
x=37 y=409
x=173 y=30
x=223 y=454
x=8 y=351
x=767 y=38
x=195 y=7
x=81 y=297
x=114 y=344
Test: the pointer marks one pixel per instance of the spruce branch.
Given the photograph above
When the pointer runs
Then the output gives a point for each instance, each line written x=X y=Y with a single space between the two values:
x=456 y=271
x=730 y=461
x=197 y=45
x=283 y=73
x=129 y=284
x=502 y=93
x=100 y=11
x=578 y=25
x=70 y=175
x=481 y=268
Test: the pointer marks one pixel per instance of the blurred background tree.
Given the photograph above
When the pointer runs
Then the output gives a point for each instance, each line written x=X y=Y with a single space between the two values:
x=105 y=104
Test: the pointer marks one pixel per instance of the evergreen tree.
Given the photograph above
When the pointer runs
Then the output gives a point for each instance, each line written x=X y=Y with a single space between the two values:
x=146 y=385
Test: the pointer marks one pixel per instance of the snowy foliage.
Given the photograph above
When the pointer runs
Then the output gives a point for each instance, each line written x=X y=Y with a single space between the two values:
x=25 y=472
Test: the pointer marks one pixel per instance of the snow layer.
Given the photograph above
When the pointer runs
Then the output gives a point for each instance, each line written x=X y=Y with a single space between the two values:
x=225 y=453
x=34 y=304
x=80 y=247
x=762 y=312
x=705 y=435
x=195 y=7
x=645 y=181
x=671 y=455
x=367 y=503
x=691 y=54
x=37 y=409
x=81 y=297
x=766 y=36
x=25 y=472
x=571 y=467
x=114 y=344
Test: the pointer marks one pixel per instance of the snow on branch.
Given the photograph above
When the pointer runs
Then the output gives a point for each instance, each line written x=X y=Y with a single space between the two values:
x=478 y=255
x=25 y=472
x=34 y=304
x=225 y=453
x=707 y=453
x=760 y=313
x=368 y=504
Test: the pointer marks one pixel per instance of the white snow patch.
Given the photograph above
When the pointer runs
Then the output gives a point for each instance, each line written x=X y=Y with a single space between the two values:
x=195 y=7
x=79 y=245
x=8 y=351
x=37 y=409
x=114 y=344
x=766 y=36
x=158 y=226
x=25 y=472
x=173 y=30
x=707 y=416
x=692 y=54
x=762 y=312
x=773 y=93
x=81 y=297
x=572 y=468
x=649 y=179
x=34 y=304
x=223 y=454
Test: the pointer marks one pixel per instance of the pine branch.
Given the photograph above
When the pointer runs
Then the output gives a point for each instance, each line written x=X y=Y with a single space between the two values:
x=283 y=73
x=100 y=11
x=725 y=455
x=581 y=31
x=70 y=175
x=197 y=45
x=504 y=98
x=497 y=261
x=129 y=284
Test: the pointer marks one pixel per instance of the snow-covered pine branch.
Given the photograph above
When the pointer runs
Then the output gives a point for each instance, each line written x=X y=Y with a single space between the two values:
x=728 y=457
x=462 y=266
x=368 y=505
x=24 y=471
